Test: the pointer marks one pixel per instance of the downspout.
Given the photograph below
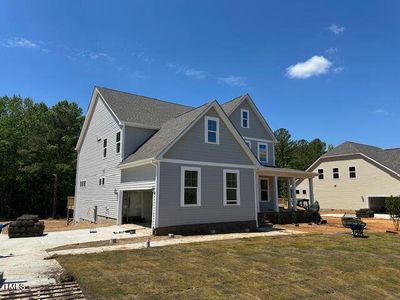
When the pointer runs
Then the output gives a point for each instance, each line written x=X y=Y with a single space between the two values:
x=154 y=224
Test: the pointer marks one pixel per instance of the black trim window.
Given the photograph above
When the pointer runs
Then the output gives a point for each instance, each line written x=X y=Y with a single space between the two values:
x=352 y=172
x=105 y=148
x=335 y=173
x=297 y=192
x=118 y=142
x=101 y=181
x=320 y=173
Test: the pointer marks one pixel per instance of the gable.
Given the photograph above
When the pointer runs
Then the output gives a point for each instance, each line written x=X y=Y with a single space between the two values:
x=192 y=146
x=256 y=128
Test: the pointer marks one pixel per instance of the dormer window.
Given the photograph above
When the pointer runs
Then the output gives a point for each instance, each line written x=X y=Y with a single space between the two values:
x=245 y=117
x=263 y=152
x=211 y=130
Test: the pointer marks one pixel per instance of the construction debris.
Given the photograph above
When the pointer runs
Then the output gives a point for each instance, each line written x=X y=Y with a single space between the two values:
x=26 y=226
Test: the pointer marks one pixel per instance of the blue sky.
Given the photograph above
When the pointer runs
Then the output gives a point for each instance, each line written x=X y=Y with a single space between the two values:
x=326 y=69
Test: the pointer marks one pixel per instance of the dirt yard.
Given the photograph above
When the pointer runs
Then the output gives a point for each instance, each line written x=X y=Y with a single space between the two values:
x=334 y=225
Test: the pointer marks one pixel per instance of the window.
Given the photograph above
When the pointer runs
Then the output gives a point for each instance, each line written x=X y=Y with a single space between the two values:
x=320 y=173
x=118 y=142
x=245 y=118
x=352 y=172
x=297 y=192
x=248 y=143
x=264 y=190
x=262 y=152
x=105 y=148
x=101 y=181
x=304 y=192
x=212 y=130
x=82 y=183
x=231 y=187
x=335 y=172
x=190 y=186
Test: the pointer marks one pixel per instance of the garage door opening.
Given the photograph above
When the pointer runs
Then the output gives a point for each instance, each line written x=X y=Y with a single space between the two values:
x=137 y=207
x=377 y=204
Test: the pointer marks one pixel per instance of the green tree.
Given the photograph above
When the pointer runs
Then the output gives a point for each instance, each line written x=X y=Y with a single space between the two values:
x=393 y=208
x=284 y=147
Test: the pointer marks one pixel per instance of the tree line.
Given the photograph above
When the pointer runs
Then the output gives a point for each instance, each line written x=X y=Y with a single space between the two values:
x=37 y=146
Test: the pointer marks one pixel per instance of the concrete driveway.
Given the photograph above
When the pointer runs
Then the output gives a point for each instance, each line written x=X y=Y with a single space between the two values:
x=22 y=259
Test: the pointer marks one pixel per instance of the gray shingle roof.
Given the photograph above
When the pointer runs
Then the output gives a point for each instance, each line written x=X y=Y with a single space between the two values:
x=141 y=110
x=229 y=106
x=390 y=158
x=169 y=131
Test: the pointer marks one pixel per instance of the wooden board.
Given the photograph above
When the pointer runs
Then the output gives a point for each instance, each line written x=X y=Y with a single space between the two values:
x=67 y=291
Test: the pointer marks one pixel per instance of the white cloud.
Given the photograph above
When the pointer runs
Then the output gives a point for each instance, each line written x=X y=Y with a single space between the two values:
x=381 y=111
x=314 y=66
x=188 y=71
x=18 y=43
x=338 y=70
x=336 y=29
x=143 y=57
x=331 y=50
x=233 y=80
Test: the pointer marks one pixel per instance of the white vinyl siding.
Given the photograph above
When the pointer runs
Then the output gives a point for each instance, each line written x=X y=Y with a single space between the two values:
x=211 y=130
x=231 y=187
x=190 y=186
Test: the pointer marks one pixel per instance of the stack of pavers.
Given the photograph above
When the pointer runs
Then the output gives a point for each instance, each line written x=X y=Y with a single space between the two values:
x=26 y=226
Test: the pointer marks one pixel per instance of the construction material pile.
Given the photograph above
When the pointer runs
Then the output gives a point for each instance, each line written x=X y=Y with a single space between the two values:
x=26 y=226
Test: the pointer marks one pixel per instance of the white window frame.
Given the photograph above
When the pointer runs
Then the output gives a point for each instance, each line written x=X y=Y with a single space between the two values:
x=248 y=143
x=333 y=173
x=206 y=119
x=355 y=172
x=105 y=148
x=269 y=196
x=322 y=173
x=118 y=142
x=248 y=118
x=258 y=152
x=198 y=170
x=237 y=172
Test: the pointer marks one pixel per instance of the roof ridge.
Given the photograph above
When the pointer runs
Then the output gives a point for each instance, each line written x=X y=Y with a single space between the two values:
x=234 y=99
x=195 y=108
x=151 y=98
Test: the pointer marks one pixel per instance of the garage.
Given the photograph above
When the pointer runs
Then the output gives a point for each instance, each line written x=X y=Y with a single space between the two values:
x=377 y=204
x=137 y=207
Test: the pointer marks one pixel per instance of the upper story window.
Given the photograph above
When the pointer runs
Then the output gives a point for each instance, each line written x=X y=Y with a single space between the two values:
x=231 y=187
x=190 y=186
x=352 y=172
x=335 y=173
x=82 y=183
x=211 y=130
x=101 y=181
x=304 y=192
x=320 y=173
x=105 y=148
x=263 y=152
x=245 y=118
x=248 y=143
x=118 y=142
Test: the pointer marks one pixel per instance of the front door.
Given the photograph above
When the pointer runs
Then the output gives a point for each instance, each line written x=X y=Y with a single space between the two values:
x=264 y=190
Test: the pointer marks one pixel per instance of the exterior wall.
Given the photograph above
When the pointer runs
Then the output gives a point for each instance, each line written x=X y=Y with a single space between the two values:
x=140 y=173
x=134 y=138
x=256 y=131
x=212 y=209
x=192 y=146
x=350 y=193
x=92 y=166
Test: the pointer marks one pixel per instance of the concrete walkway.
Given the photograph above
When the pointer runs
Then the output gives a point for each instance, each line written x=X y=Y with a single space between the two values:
x=22 y=259
x=175 y=241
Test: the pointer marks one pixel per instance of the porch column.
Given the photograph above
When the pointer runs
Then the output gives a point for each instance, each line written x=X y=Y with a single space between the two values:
x=311 y=189
x=276 y=193
x=294 y=203
x=289 y=196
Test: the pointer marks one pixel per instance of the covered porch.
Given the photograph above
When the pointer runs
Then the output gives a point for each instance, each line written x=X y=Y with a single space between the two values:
x=268 y=181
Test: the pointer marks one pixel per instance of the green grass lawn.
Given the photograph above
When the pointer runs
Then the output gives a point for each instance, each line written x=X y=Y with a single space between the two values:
x=288 y=267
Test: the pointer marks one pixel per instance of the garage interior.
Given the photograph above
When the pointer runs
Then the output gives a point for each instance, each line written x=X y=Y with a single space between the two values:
x=377 y=204
x=137 y=207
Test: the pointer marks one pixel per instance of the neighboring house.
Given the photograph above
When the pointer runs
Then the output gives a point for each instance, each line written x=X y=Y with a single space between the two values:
x=176 y=167
x=354 y=176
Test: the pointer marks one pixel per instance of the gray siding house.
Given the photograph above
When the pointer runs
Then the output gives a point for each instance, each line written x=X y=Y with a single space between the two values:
x=178 y=168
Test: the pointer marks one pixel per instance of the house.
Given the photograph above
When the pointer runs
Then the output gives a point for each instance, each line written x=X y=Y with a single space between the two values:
x=176 y=167
x=354 y=176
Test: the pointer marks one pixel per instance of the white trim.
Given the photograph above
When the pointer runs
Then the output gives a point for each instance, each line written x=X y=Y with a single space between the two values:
x=157 y=208
x=136 y=163
x=258 y=140
x=137 y=185
x=256 y=203
x=120 y=206
x=248 y=143
x=206 y=130
x=276 y=193
x=273 y=171
x=268 y=189
x=237 y=172
x=76 y=216
x=206 y=163
x=242 y=110
x=258 y=152
x=138 y=125
x=198 y=188
x=123 y=142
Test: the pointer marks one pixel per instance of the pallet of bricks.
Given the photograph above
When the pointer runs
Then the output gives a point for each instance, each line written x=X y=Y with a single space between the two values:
x=26 y=226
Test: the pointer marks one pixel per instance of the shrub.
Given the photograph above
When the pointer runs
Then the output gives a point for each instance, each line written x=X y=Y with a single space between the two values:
x=393 y=208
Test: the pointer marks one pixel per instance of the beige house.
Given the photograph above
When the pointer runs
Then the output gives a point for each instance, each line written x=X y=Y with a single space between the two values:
x=354 y=176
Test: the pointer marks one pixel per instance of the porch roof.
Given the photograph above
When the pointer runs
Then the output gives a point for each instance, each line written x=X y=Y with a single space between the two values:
x=284 y=172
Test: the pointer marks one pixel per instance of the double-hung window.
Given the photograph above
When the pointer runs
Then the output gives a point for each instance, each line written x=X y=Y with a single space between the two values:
x=245 y=118
x=263 y=152
x=320 y=173
x=211 y=130
x=335 y=173
x=104 y=148
x=190 y=186
x=231 y=187
x=352 y=172
x=264 y=183
x=118 y=142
